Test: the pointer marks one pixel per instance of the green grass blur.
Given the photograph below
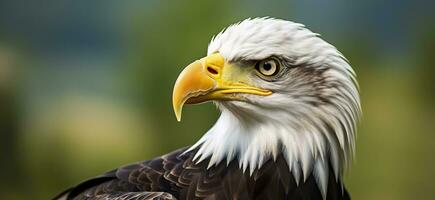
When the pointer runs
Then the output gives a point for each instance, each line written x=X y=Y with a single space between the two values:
x=86 y=86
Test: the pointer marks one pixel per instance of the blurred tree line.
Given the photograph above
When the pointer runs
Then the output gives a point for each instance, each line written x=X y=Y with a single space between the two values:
x=86 y=86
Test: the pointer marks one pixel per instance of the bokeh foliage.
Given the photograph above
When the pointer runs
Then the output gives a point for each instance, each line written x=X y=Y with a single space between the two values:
x=85 y=86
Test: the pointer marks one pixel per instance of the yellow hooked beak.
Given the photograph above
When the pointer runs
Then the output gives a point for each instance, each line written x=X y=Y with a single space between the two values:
x=210 y=78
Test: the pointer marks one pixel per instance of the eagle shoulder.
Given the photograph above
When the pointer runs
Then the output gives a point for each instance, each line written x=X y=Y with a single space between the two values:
x=143 y=180
x=177 y=176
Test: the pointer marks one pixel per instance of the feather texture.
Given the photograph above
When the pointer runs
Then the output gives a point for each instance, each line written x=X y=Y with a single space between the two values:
x=176 y=176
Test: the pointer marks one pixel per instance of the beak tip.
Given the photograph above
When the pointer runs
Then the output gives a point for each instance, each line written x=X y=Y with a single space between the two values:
x=177 y=111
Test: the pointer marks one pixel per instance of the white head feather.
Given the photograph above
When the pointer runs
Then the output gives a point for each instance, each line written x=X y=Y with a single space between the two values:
x=311 y=116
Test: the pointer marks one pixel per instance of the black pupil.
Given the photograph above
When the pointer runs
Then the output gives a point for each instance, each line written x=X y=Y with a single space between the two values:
x=267 y=66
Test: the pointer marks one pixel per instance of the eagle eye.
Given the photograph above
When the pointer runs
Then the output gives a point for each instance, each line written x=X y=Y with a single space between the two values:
x=268 y=67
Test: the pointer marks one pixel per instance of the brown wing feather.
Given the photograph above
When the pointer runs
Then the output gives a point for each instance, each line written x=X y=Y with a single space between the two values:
x=176 y=176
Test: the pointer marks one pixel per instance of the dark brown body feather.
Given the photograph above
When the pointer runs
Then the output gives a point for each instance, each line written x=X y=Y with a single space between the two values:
x=176 y=176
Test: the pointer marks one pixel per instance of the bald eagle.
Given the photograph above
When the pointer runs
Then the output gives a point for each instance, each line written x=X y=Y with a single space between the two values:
x=289 y=107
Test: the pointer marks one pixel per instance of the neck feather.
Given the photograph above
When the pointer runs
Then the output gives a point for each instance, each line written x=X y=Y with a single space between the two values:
x=306 y=148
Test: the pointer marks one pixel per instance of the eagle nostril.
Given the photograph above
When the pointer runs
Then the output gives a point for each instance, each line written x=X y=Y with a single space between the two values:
x=212 y=71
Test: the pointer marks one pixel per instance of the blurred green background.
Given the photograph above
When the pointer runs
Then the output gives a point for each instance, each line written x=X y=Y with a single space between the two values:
x=85 y=86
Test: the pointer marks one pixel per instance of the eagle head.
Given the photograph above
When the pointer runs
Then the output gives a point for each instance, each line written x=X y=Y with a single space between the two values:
x=282 y=90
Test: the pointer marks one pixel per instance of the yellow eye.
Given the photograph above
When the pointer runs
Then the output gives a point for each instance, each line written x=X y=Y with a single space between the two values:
x=269 y=67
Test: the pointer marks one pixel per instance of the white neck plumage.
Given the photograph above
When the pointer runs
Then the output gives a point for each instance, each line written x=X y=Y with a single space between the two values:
x=309 y=145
